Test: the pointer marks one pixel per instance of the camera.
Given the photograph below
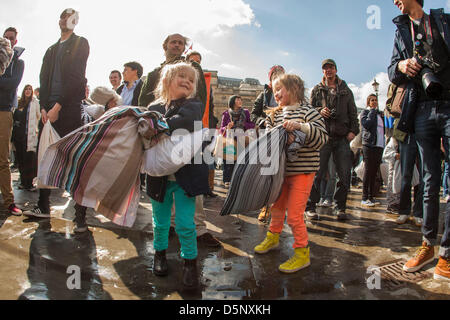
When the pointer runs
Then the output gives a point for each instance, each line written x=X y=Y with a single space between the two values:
x=333 y=114
x=430 y=82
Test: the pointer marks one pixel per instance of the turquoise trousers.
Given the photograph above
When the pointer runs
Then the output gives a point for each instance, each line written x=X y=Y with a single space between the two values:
x=184 y=221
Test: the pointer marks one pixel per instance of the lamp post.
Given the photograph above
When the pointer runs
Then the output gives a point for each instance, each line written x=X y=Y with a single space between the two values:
x=376 y=87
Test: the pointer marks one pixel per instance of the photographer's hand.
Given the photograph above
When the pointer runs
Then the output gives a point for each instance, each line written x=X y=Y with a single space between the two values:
x=410 y=67
x=326 y=113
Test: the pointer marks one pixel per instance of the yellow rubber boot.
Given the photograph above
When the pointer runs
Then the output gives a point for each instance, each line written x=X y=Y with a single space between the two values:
x=299 y=261
x=271 y=241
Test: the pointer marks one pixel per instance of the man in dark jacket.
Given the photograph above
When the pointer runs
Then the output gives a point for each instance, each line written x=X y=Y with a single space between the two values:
x=265 y=100
x=63 y=87
x=131 y=89
x=421 y=52
x=9 y=82
x=335 y=102
x=174 y=47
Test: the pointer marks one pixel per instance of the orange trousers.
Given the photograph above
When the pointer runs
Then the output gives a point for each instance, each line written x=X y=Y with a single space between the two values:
x=293 y=199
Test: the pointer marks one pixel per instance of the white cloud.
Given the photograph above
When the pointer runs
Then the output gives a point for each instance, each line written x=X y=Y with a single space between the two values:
x=362 y=91
x=120 y=32
x=230 y=67
x=448 y=4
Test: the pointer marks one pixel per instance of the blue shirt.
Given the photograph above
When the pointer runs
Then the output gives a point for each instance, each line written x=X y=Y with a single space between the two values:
x=127 y=94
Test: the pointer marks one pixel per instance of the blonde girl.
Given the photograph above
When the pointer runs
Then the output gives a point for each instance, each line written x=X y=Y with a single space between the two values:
x=294 y=114
x=175 y=93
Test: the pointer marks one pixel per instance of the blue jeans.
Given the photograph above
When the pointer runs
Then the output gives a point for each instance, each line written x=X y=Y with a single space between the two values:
x=343 y=159
x=409 y=154
x=445 y=179
x=328 y=186
x=184 y=221
x=432 y=123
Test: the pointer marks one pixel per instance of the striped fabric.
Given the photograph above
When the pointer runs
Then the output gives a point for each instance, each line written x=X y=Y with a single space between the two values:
x=256 y=182
x=308 y=157
x=99 y=164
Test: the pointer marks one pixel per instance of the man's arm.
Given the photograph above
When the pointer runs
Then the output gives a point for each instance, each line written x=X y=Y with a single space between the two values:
x=13 y=82
x=258 y=108
x=353 y=115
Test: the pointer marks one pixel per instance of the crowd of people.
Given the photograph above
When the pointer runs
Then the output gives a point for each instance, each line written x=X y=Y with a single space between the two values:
x=320 y=173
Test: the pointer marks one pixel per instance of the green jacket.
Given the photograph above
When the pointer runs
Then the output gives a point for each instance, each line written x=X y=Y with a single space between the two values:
x=147 y=95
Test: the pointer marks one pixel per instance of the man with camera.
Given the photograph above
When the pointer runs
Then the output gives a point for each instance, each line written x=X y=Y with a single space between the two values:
x=421 y=62
x=335 y=102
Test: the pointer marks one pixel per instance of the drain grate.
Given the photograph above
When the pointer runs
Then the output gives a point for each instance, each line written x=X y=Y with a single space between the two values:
x=393 y=276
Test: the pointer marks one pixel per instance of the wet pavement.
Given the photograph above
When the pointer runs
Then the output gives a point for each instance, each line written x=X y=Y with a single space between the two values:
x=42 y=257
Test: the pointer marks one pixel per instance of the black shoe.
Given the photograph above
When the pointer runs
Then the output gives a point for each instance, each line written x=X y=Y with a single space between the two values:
x=211 y=194
x=208 y=240
x=160 y=266
x=172 y=232
x=190 y=274
x=341 y=215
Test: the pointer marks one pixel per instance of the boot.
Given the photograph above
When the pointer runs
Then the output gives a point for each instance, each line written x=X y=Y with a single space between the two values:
x=80 y=219
x=160 y=266
x=190 y=274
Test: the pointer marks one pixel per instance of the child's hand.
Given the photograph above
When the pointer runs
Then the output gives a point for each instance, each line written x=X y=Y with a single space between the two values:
x=230 y=125
x=291 y=125
x=291 y=139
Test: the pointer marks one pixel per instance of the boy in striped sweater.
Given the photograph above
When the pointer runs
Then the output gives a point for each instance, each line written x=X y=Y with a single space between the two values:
x=295 y=114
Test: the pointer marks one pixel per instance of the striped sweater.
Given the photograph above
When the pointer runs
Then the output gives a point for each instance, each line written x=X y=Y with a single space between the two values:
x=308 y=160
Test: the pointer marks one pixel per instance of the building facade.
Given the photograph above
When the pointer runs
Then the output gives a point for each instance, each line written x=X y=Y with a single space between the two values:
x=223 y=88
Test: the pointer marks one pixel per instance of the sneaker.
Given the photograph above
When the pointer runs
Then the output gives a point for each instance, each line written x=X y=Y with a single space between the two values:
x=367 y=203
x=14 y=210
x=423 y=256
x=418 y=221
x=299 y=261
x=442 y=270
x=264 y=215
x=375 y=202
x=271 y=241
x=341 y=215
x=402 y=219
x=80 y=228
x=209 y=240
x=327 y=204
x=37 y=212
x=312 y=215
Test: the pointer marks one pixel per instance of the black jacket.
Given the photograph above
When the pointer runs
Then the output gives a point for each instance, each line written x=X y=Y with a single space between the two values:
x=369 y=125
x=10 y=80
x=403 y=49
x=73 y=71
x=258 y=115
x=136 y=92
x=346 y=120
x=193 y=178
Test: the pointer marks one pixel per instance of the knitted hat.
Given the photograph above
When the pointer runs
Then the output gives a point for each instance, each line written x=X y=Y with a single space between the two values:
x=273 y=69
x=6 y=54
x=232 y=101
x=102 y=95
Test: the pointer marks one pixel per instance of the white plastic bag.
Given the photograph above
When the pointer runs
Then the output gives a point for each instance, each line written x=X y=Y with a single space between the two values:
x=171 y=154
x=49 y=136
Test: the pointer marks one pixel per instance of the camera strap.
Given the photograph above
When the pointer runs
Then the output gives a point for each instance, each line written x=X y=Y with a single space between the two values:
x=428 y=32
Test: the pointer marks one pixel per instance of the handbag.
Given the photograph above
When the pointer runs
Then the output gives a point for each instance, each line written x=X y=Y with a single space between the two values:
x=397 y=101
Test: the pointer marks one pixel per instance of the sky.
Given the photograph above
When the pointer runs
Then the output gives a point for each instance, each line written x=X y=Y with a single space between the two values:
x=238 y=38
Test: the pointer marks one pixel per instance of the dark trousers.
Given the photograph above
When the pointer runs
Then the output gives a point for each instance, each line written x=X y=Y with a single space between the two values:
x=68 y=121
x=227 y=172
x=372 y=160
x=409 y=157
x=432 y=122
x=27 y=164
x=343 y=159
